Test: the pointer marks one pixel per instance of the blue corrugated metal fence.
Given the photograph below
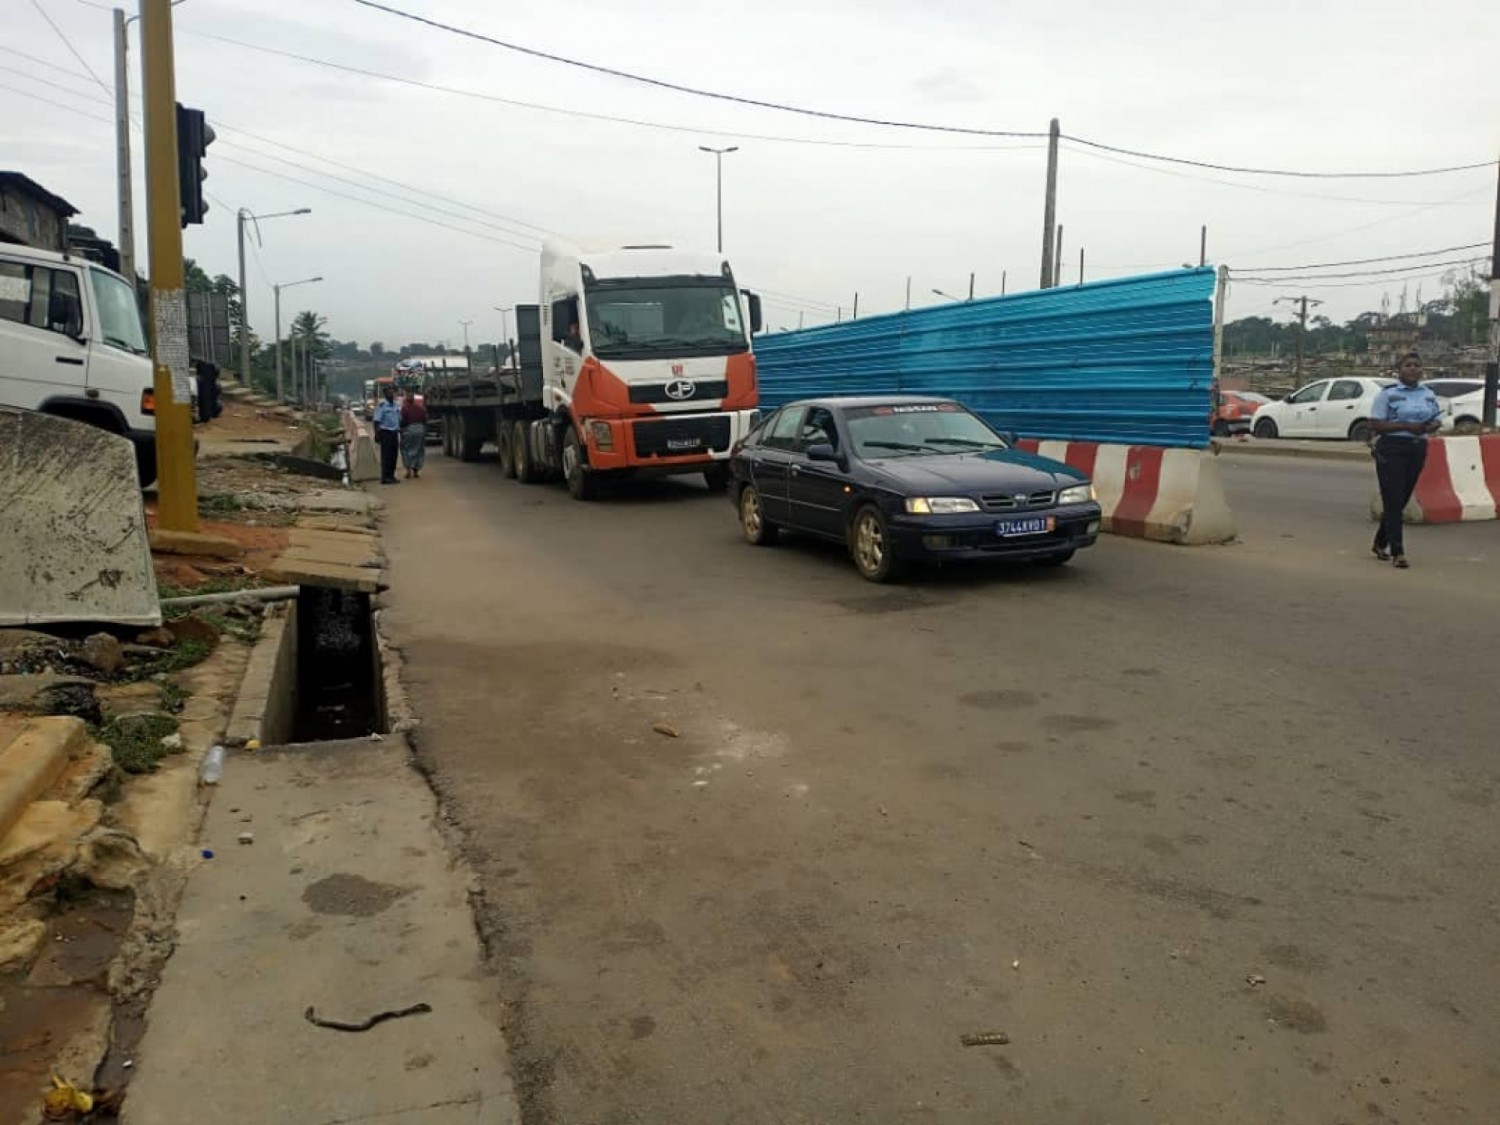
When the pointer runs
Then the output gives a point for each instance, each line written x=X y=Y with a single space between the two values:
x=1127 y=360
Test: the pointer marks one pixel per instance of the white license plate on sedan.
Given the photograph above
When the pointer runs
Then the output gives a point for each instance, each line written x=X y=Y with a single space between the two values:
x=1026 y=525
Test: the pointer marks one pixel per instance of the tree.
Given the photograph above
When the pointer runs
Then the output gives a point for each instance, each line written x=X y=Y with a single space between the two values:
x=307 y=329
x=194 y=279
x=377 y=349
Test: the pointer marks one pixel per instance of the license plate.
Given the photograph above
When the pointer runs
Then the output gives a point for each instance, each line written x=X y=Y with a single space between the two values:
x=686 y=443
x=1030 y=525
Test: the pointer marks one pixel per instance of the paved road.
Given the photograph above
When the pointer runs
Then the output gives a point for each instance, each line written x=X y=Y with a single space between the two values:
x=1077 y=807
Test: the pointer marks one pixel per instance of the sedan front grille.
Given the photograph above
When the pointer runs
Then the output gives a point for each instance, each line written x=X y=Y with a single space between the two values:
x=1018 y=502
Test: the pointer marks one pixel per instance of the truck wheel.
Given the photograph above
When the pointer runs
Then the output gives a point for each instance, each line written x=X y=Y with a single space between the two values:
x=470 y=441
x=505 y=443
x=716 y=477
x=526 y=469
x=581 y=483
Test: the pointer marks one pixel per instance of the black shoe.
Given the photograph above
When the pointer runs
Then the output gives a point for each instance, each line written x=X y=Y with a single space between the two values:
x=1380 y=553
x=1400 y=563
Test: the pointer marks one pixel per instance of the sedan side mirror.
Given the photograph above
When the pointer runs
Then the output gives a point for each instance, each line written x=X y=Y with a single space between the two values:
x=1008 y=436
x=823 y=451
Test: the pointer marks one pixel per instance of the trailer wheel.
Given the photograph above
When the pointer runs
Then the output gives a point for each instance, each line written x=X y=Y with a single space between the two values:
x=505 y=442
x=526 y=468
x=470 y=440
x=581 y=483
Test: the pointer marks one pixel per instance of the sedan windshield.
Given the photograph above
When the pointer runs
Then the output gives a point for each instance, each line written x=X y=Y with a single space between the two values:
x=917 y=429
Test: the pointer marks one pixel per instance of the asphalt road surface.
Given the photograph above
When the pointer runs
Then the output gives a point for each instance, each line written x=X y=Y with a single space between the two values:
x=1207 y=833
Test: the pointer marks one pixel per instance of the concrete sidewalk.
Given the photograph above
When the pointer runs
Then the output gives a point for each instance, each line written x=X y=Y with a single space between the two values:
x=346 y=902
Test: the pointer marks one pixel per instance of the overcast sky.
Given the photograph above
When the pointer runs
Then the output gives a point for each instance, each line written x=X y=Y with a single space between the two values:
x=1314 y=85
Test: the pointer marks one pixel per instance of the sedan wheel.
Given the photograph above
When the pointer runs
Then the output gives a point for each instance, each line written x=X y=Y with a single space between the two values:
x=758 y=530
x=870 y=546
x=1265 y=428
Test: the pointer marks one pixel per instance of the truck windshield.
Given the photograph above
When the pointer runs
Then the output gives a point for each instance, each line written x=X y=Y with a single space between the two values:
x=119 y=315
x=639 y=319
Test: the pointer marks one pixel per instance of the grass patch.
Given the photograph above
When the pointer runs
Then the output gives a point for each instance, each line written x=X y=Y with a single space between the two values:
x=220 y=504
x=173 y=697
x=184 y=654
x=136 y=746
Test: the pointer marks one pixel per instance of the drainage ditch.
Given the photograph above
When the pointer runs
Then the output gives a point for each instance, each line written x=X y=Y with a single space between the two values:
x=337 y=683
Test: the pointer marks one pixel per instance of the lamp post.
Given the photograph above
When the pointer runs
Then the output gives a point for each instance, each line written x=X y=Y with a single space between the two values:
x=945 y=296
x=280 y=386
x=241 y=216
x=718 y=154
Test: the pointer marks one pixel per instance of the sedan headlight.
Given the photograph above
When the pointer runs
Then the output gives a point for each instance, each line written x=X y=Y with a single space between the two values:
x=939 y=505
x=1077 y=494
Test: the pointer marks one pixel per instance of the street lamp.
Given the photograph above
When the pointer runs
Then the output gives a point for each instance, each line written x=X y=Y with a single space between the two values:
x=280 y=386
x=945 y=296
x=240 y=216
x=466 y=324
x=504 y=311
x=718 y=154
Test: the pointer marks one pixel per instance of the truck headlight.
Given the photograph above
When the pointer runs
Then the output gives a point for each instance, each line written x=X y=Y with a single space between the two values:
x=604 y=436
x=1077 y=494
x=939 y=505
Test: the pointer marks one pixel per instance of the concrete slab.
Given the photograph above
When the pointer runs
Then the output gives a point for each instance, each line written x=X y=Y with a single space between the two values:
x=34 y=759
x=72 y=529
x=304 y=572
x=339 y=500
x=346 y=902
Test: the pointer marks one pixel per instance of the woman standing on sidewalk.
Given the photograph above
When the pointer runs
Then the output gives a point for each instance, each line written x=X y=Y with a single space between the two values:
x=413 y=433
x=1402 y=417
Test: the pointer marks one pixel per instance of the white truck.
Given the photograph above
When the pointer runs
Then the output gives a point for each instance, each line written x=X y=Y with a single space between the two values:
x=72 y=344
x=637 y=361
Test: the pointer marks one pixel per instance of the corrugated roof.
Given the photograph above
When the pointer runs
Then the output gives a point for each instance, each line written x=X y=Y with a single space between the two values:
x=25 y=185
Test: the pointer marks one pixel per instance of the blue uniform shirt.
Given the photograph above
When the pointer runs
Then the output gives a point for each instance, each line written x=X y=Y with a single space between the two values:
x=1400 y=403
x=387 y=415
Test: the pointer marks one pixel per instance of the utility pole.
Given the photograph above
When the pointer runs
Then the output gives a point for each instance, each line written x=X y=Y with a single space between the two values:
x=126 y=196
x=908 y=293
x=801 y=319
x=177 y=506
x=466 y=324
x=971 y=286
x=718 y=154
x=1002 y=282
x=504 y=311
x=1302 y=301
x=1203 y=246
x=1492 y=372
x=1221 y=292
x=855 y=314
x=1057 y=259
x=241 y=216
x=280 y=387
x=1049 y=209
x=1080 y=265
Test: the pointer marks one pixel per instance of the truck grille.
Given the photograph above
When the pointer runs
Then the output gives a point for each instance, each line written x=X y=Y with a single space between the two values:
x=657 y=392
x=1018 y=502
x=677 y=437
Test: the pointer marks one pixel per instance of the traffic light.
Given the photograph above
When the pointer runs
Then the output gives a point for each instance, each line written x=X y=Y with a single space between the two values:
x=194 y=135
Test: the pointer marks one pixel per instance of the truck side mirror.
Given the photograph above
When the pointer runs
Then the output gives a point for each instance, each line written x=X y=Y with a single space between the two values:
x=753 y=300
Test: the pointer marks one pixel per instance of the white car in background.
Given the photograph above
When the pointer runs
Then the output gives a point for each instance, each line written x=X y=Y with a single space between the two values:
x=1463 y=403
x=1329 y=408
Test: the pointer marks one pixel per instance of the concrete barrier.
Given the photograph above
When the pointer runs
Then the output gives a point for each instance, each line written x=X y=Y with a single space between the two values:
x=1151 y=492
x=1460 y=482
x=73 y=544
x=364 y=459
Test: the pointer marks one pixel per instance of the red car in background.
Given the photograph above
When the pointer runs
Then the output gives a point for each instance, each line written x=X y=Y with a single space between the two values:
x=1233 y=412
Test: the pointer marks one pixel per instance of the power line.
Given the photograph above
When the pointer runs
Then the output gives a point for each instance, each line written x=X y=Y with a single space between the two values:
x=1299 y=278
x=1366 y=261
x=68 y=43
x=587 y=115
x=829 y=115
x=56 y=104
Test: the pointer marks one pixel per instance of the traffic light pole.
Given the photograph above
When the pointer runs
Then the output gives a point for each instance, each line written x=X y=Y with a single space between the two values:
x=177 y=505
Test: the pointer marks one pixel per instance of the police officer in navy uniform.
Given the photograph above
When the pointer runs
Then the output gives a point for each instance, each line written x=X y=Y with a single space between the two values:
x=1402 y=417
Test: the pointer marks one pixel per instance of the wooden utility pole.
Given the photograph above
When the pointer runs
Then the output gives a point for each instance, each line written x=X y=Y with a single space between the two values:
x=1049 y=208
x=177 y=504
x=1302 y=302
x=1492 y=371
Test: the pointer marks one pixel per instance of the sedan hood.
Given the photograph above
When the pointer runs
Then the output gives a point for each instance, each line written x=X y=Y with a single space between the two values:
x=1000 y=470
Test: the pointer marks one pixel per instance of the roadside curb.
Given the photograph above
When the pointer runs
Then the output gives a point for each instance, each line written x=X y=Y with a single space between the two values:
x=33 y=761
x=1334 y=452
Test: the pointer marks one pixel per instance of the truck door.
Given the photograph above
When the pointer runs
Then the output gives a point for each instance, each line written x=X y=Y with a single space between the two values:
x=40 y=315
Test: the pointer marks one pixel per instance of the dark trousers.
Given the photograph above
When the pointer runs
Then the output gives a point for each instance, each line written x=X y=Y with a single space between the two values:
x=1398 y=464
x=390 y=446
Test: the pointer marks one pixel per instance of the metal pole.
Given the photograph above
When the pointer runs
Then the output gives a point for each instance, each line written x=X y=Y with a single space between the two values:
x=280 y=385
x=177 y=506
x=855 y=314
x=719 y=195
x=1203 y=246
x=1221 y=292
x=244 y=303
x=971 y=286
x=1057 y=259
x=1080 y=265
x=1049 y=210
x=122 y=150
x=1002 y=282
x=1492 y=371
x=908 y=294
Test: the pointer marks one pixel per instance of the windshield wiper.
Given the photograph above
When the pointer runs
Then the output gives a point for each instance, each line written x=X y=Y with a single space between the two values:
x=125 y=345
x=968 y=443
x=899 y=446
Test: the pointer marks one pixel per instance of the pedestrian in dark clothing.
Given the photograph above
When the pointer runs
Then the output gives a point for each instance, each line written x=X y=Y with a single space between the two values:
x=388 y=434
x=413 y=434
x=1402 y=417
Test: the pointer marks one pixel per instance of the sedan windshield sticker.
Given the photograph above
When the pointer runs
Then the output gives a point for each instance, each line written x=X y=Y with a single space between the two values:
x=916 y=408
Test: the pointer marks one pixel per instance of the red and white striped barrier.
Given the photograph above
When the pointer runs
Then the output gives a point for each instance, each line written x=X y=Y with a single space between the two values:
x=1460 y=481
x=1149 y=491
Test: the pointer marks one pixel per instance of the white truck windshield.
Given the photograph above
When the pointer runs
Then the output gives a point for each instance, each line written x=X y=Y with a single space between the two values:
x=639 y=319
x=119 y=315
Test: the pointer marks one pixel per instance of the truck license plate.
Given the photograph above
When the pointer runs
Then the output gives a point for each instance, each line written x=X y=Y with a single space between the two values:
x=684 y=444
x=1030 y=525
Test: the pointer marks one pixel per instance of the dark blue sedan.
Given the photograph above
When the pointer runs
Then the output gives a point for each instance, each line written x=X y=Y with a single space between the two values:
x=902 y=478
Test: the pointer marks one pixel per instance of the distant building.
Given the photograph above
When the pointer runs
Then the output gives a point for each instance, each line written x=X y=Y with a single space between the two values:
x=32 y=215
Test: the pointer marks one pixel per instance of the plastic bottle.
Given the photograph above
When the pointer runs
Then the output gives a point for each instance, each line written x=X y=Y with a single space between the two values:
x=213 y=766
